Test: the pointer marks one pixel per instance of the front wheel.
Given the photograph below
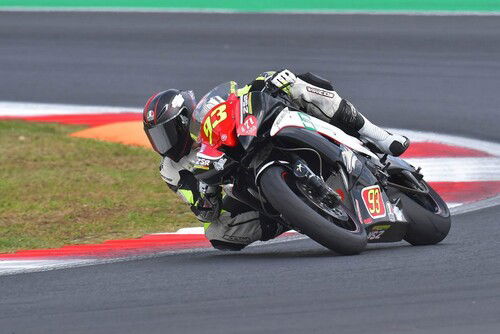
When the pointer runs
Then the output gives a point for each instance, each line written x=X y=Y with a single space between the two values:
x=335 y=228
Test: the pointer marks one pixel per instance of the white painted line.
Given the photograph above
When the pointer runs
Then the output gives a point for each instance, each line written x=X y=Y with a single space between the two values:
x=21 y=109
x=253 y=12
x=16 y=266
x=471 y=207
x=458 y=169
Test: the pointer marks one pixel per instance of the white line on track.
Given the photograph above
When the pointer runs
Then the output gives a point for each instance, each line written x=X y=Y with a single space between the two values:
x=231 y=11
x=21 y=109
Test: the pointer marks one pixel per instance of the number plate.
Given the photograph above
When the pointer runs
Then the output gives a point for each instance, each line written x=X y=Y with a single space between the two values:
x=372 y=197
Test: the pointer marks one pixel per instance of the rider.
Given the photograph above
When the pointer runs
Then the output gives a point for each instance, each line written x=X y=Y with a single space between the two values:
x=230 y=224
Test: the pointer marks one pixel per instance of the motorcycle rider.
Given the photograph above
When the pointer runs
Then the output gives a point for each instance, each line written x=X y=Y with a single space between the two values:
x=229 y=223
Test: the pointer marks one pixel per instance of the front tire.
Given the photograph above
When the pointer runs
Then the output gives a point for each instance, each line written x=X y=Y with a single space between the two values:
x=306 y=219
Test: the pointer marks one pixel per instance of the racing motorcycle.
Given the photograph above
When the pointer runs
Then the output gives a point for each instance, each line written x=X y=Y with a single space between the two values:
x=310 y=175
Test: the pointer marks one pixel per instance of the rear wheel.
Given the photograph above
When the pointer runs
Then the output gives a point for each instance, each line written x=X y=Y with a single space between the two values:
x=326 y=222
x=427 y=214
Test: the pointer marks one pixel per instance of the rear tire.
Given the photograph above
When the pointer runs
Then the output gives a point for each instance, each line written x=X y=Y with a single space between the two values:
x=309 y=222
x=427 y=225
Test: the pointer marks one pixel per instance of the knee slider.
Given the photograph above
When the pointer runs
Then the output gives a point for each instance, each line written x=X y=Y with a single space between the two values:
x=226 y=246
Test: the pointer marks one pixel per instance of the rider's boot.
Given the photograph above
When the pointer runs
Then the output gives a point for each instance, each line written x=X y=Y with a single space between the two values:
x=350 y=119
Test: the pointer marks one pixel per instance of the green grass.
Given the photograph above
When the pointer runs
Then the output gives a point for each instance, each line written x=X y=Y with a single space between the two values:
x=57 y=190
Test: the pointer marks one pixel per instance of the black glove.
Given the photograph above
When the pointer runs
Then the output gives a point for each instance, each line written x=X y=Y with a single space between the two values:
x=208 y=208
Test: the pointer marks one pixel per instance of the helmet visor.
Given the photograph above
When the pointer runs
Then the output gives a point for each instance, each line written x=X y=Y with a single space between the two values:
x=163 y=137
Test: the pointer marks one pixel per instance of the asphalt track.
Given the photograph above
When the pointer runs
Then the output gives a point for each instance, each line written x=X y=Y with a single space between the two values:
x=430 y=73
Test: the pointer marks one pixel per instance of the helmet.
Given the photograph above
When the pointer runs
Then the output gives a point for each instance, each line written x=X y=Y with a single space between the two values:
x=166 y=120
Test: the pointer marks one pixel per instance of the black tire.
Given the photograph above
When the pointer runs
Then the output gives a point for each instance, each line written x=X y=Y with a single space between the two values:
x=429 y=218
x=304 y=218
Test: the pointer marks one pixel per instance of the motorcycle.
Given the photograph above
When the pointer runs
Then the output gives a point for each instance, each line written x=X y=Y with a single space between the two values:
x=310 y=175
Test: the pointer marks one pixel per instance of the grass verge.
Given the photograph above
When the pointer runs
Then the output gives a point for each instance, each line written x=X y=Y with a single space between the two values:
x=57 y=190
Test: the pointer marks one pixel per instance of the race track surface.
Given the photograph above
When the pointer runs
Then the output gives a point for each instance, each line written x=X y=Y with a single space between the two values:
x=424 y=73
x=429 y=73
x=295 y=287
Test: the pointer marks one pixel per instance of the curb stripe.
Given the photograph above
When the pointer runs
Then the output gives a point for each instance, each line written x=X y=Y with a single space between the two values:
x=83 y=119
x=428 y=150
x=444 y=160
x=21 y=109
x=462 y=169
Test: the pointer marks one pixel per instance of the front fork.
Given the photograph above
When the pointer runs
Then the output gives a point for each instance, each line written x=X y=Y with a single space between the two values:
x=316 y=184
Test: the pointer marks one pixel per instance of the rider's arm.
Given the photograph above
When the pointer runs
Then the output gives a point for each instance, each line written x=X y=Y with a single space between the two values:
x=203 y=200
x=180 y=180
x=312 y=93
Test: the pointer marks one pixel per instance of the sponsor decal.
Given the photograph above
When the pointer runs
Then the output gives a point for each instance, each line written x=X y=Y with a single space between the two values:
x=177 y=101
x=219 y=164
x=375 y=235
x=372 y=197
x=236 y=238
x=377 y=231
x=350 y=159
x=150 y=115
x=306 y=120
x=321 y=92
x=367 y=220
x=244 y=106
x=249 y=126
x=216 y=116
x=202 y=163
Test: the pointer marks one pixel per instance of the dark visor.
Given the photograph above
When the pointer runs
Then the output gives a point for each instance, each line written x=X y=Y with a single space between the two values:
x=163 y=137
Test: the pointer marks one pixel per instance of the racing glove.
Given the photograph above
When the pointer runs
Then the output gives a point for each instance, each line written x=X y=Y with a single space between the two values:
x=208 y=207
x=283 y=80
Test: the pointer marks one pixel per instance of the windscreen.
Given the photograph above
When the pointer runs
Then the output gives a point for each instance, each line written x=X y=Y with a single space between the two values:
x=214 y=97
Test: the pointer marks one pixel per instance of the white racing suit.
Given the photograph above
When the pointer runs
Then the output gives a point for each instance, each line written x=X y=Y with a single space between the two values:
x=232 y=225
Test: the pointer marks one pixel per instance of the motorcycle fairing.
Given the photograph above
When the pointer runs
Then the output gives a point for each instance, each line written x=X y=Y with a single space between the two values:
x=290 y=118
x=218 y=128
x=359 y=177
x=255 y=107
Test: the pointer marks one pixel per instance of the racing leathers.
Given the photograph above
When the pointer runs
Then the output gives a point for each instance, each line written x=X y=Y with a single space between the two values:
x=229 y=223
